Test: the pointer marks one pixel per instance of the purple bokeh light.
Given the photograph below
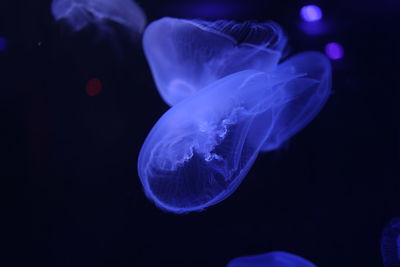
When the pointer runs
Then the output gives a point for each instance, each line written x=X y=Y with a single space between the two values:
x=3 y=44
x=311 y=13
x=334 y=51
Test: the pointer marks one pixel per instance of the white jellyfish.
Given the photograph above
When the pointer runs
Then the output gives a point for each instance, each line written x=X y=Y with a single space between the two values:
x=187 y=55
x=80 y=13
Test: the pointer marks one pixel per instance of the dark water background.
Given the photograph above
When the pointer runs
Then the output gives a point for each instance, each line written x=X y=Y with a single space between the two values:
x=69 y=159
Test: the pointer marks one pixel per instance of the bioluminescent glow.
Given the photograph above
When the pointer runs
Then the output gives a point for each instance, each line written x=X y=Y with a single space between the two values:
x=390 y=244
x=334 y=51
x=201 y=149
x=187 y=55
x=94 y=87
x=3 y=44
x=311 y=13
x=271 y=259
x=80 y=13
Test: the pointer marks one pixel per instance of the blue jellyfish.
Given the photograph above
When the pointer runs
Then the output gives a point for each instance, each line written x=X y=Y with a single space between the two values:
x=201 y=149
x=390 y=244
x=271 y=259
x=80 y=13
x=187 y=55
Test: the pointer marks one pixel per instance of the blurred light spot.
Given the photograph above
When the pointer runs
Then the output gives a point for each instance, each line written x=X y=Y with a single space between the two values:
x=3 y=44
x=334 y=50
x=93 y=87
x=311 y=13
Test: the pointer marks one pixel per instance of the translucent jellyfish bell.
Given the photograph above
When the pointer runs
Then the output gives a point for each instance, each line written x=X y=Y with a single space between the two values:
x=272 y=259
x=390 y=244
x=201 y=149
x=81 y=13
x=312 y=92
x=187 y=55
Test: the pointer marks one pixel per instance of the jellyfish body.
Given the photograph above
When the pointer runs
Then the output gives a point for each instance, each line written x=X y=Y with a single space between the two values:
x=390 y=244
x=81 y=13
x=201 y=149
x=272 y=259
x=187 y=55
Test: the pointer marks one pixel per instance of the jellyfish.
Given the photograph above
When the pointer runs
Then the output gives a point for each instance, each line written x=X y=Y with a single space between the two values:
x=187 y=55
x=200 y=150
x=390 y=244
x=80 y=13
x=271 y=259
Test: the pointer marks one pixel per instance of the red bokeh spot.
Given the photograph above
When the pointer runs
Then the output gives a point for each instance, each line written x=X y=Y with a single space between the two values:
x=93 y=87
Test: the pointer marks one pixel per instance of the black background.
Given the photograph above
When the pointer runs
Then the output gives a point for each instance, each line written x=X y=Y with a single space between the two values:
x=69 y=159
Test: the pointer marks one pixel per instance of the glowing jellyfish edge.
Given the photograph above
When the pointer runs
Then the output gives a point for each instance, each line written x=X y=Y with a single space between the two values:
x=80 y=13
x=271 y=259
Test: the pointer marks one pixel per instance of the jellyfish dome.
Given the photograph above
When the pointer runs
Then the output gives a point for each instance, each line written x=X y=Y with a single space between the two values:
x=390 y=244
x=271 y=259
x=201 y=149
x=187 y=55
x=81 y=13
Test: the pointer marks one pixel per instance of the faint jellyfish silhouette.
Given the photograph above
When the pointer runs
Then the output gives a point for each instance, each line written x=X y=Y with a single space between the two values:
x=201 y=149
x=271 y=259
x=80 y=13
x=390 y=244
x=187 y=55
x=312 y=91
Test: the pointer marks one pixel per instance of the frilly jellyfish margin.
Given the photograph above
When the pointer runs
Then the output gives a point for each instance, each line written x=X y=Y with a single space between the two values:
x=201 y=149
